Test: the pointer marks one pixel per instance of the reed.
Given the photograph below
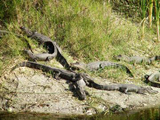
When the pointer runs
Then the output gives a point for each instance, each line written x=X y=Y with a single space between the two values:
x=144 y=8
x=157 y=17
x=150 y=12
x=148 y=5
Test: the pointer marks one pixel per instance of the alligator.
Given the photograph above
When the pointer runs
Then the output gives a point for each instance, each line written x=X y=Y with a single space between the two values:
x=75 y=78
x=42 y=56
x=124 y=88
x=64 y=74
x=136 y=59
x=42 y=39
x=153 y=79
x=99 y=65
x=52 y=48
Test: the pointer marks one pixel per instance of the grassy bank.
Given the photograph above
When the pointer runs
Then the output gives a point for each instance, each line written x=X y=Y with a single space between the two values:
x=87 y=30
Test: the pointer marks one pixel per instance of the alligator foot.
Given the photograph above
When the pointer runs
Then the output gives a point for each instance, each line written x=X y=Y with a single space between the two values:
x=56 y=76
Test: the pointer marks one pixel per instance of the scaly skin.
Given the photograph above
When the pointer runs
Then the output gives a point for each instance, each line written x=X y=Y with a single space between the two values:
x=77 y=80
x=80 y=80
x=41 y=57
x=137 y=59
x=100 y=65
x=125 y=88
x=62 y=73
x=42 y=39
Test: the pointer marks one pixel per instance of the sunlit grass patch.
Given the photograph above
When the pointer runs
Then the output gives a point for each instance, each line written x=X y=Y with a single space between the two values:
x=113 y=74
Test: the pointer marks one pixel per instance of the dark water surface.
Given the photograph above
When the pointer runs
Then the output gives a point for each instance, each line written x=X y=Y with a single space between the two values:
x=148 y=114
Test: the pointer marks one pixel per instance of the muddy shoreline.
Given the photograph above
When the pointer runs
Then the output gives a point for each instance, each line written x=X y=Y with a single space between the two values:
x=150 y=114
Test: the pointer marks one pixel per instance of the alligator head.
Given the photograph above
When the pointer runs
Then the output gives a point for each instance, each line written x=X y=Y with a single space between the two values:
x=27 y=31
x=118 y=57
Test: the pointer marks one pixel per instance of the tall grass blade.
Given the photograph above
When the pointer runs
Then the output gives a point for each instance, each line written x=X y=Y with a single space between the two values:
x=150 y=12
x=143 y=7
x=157 y=17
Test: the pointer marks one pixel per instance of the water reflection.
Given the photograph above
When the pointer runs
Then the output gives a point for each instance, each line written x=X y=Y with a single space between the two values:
x=149 y=114
x=27 y=116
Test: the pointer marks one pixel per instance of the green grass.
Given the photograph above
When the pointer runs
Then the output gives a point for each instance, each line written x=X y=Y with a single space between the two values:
x=87 y=30
x=113 y=74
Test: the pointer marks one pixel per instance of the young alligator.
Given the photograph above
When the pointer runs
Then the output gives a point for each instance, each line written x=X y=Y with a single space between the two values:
x=137 y=59
x=76 y=78
x=100 y=65
x=125 y=88
x=46 y=41
x=153 y=79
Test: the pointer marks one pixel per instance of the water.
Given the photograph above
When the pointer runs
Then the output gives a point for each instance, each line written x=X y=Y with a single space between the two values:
x=148 y=114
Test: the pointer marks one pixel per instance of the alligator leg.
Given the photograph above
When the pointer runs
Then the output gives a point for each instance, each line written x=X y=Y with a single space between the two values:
x=125 y=91
x=56 y=76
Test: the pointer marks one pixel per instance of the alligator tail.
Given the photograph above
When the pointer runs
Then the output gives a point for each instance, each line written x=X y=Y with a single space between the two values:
x=60 y=58
x=34 y=65
x=29 y=64
x=157 y=57
x=127 y=70
x=152 y=83
x=23 y=64
x=92 y=84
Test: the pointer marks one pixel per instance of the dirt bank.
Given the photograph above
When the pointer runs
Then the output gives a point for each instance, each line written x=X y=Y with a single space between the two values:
x=32 y=90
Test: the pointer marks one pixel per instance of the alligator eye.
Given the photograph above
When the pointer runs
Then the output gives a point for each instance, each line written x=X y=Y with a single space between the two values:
x=21 y=27
x=146 y=77
x=100 y=65
x=119 y=55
